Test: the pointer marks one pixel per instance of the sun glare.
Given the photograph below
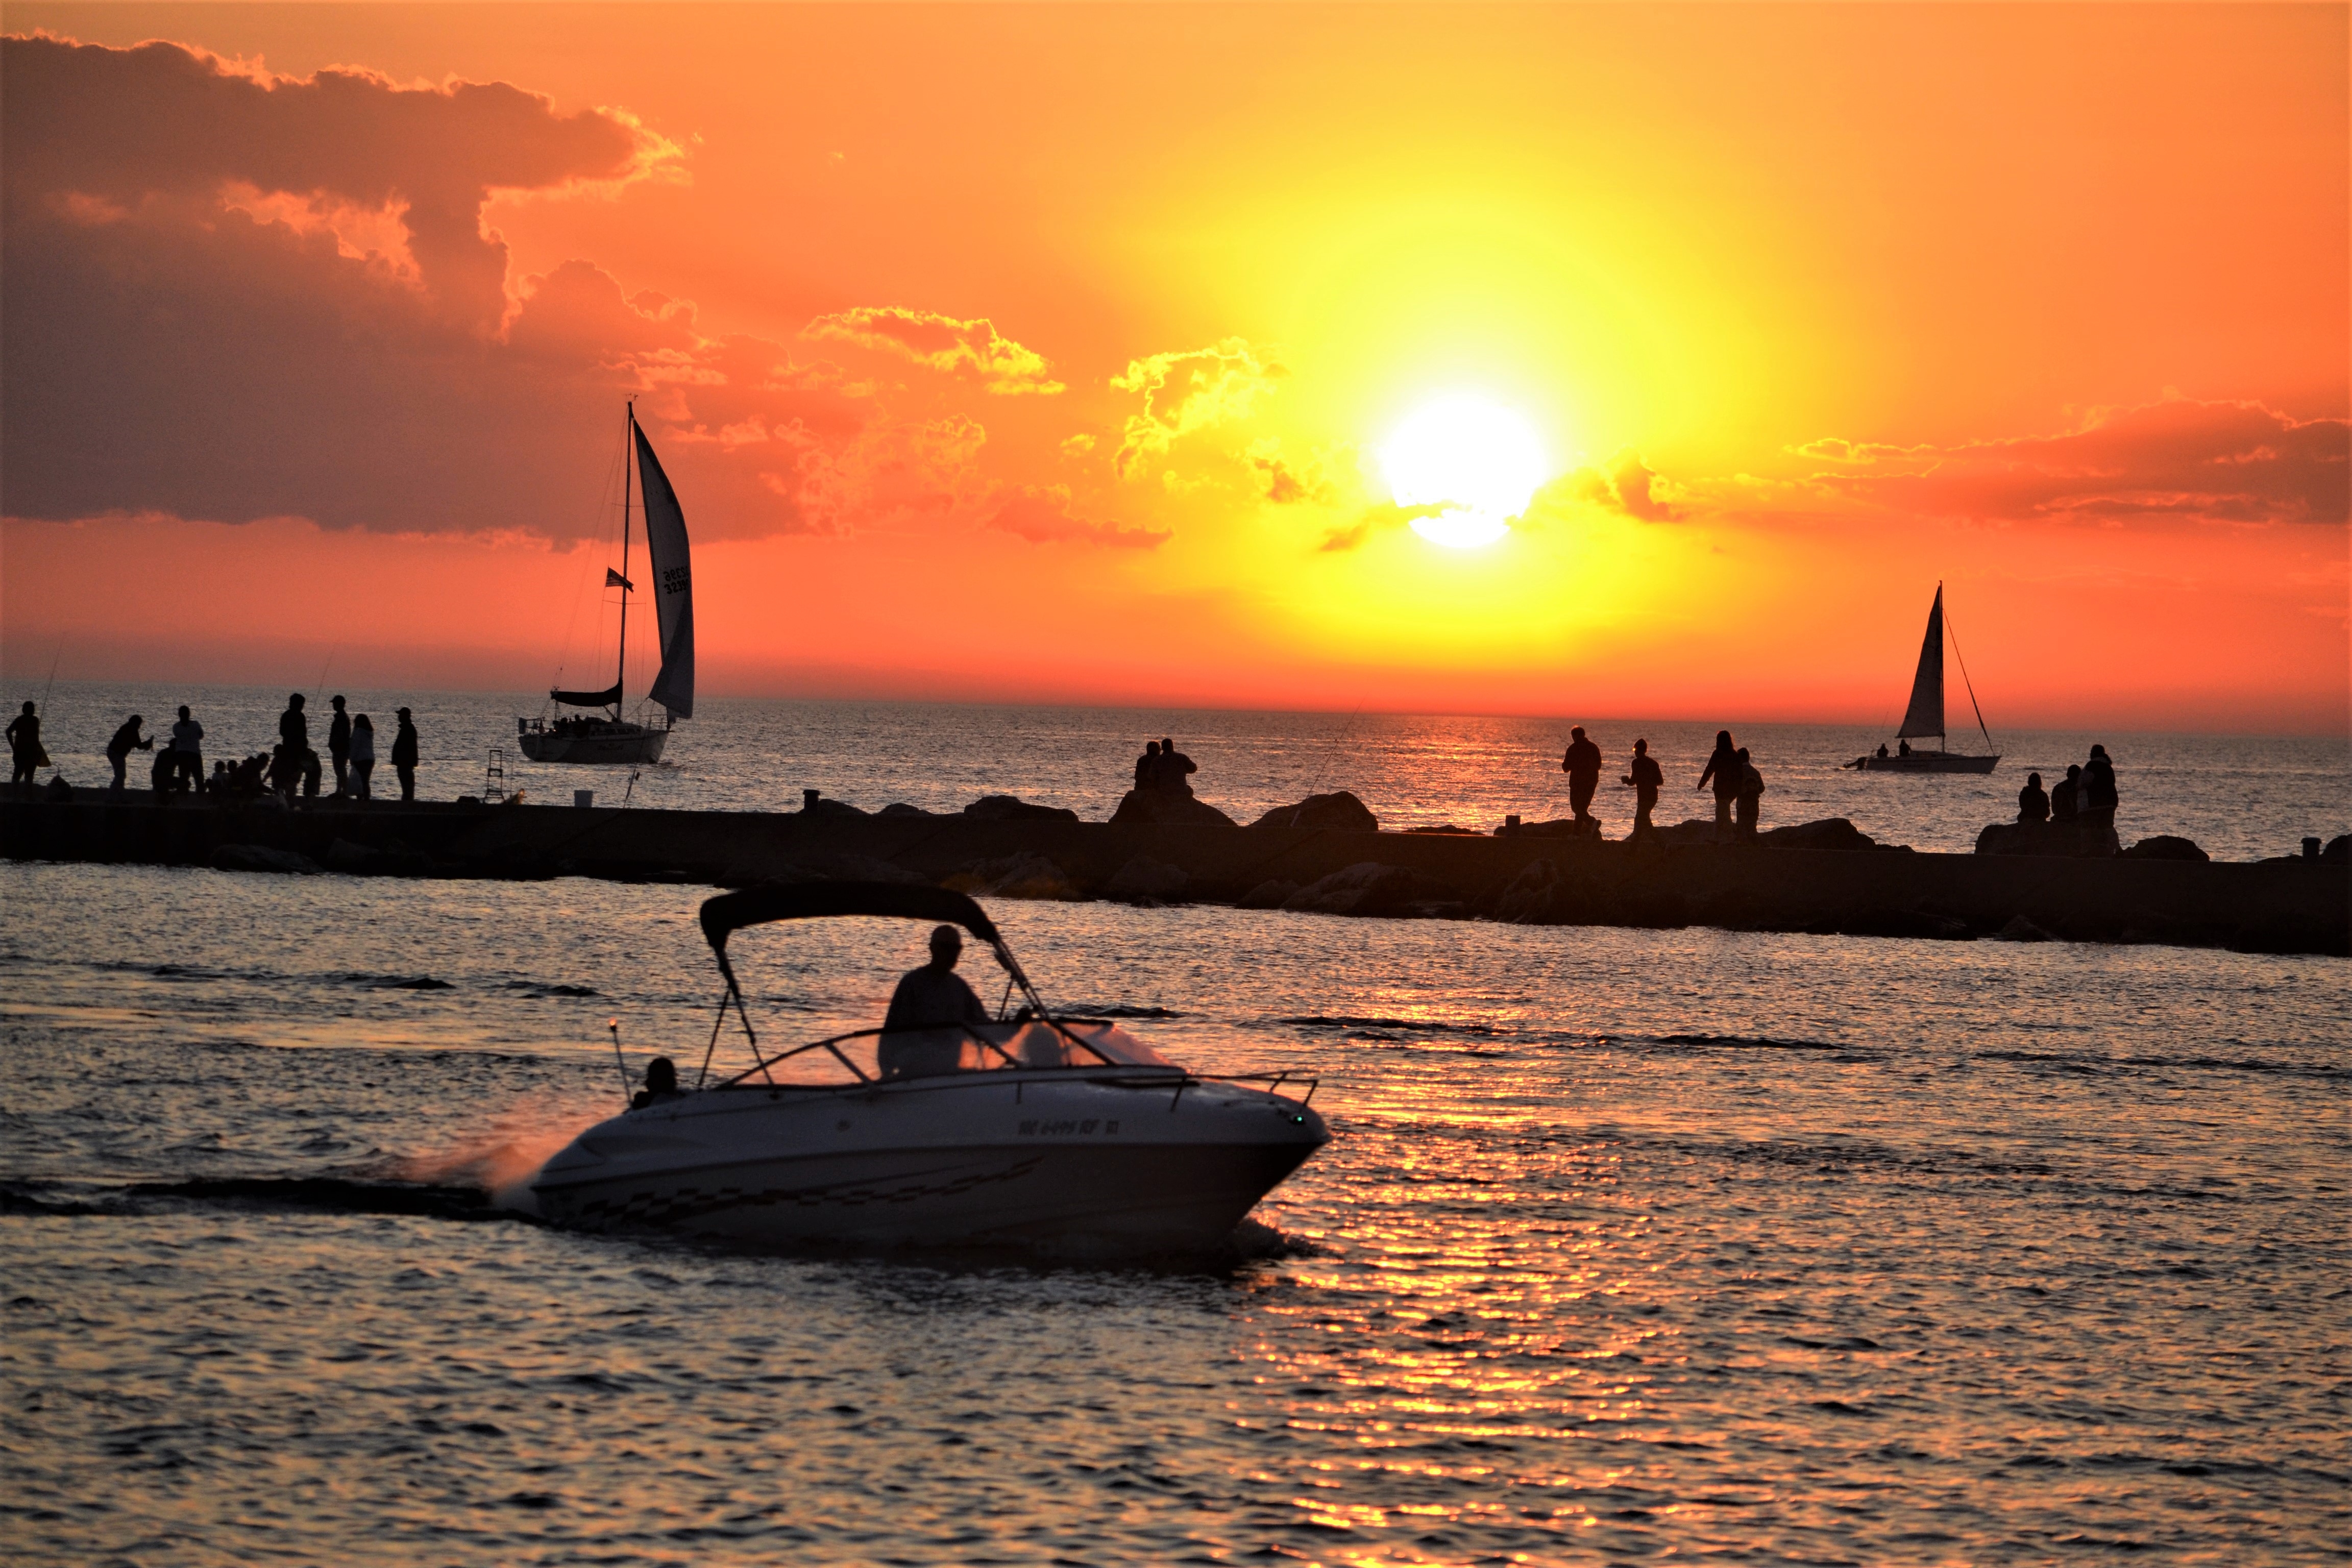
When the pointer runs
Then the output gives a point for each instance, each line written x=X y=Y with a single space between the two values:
x=1479 y=462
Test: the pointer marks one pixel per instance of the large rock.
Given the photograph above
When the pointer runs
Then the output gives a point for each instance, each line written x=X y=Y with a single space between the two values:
x=1340 y=810
x=2042 y=838
x=1165 y=808
x=1694 y=831
x=1271 y=894
x=2165 y=846
x=1012 y=809
x=1558 y=827
x=1530 y=897
x=1369 y=887
x=1830 y=833
x=1143 y=880
x=1022 y=876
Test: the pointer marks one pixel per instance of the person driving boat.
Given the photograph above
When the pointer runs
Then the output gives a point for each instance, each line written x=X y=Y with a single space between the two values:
x=923 y=1034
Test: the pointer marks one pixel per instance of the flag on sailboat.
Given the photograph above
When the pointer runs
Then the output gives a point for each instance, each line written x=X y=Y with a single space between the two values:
x=673 y=583
x=1926 y=714
x=615 y=580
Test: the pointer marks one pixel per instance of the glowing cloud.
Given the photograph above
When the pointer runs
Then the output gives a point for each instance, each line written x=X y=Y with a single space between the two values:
x=1478 y=461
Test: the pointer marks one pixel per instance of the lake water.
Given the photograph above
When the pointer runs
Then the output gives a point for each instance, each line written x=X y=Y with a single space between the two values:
x=1628 y=1245
x=2240 y=797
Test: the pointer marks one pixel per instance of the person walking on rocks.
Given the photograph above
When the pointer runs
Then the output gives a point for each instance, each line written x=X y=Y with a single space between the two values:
x=25 y=746
x=404 y=756
x=2066 y=800
x=339 y=746
x=1647 y=780
x=363 y=756
x=294 y=736
x=1583 y=767
x=2099 y=798
x=1749 y=801
x=1173 y=767
x=2033 y=804
x=187 y=751
x=1722 y=768
x=125 y=742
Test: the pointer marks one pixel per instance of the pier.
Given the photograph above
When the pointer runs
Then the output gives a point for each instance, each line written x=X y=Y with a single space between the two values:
x=2276 y=906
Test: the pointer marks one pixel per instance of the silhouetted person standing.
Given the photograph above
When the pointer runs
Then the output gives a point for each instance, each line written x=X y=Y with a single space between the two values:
x=1722 y=768
x=1174 y=765
x=404 y=756
x=1582 y=765
x=1647 y=780
x=188 y=750
x=2099 y=799
x=2033 y=804
x=294 y=738
x=362 y=755
x=25 y=746
x=339 y=746
x=1147 y=766
x=125 y=742
x=2066 y=800
x=1749 y=801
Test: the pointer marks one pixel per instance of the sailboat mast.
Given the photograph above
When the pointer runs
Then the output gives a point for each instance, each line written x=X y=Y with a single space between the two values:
x=629 y=452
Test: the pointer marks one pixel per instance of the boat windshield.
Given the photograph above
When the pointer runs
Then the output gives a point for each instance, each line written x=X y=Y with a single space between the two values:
x=1028 y=1044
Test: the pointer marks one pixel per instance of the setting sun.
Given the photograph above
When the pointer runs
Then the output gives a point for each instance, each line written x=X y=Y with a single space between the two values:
x=1480 y=463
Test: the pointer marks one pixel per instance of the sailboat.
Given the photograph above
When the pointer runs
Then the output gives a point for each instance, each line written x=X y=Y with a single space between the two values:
x=608 y=737
x=1925 y=716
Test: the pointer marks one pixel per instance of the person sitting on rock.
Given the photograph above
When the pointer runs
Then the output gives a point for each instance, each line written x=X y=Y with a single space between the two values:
x=1173 y=767
x=1583 y=767
x=2033 y=804
x=1147 y=766
x=2066 y=800
x=924 y=1031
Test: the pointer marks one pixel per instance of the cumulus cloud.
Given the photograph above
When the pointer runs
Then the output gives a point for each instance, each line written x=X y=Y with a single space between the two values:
x=2221 y=461
x=943 y=344
x=1042 y=517
x=1284 y=479
x=1189 y=391
x=1375 y=520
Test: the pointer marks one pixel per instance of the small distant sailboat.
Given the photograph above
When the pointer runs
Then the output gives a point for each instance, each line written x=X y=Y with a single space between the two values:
x=608 y=737
x=1925 y=716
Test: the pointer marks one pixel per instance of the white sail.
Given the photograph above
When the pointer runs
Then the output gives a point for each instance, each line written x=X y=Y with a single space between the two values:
x=1926 y=714
x=673 y=583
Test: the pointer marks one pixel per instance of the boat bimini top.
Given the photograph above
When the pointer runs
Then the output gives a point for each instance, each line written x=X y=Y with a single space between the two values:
x=1033 y=1037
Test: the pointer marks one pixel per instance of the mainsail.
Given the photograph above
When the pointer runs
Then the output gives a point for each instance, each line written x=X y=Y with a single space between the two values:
x=1926 y=714
x=673 y=583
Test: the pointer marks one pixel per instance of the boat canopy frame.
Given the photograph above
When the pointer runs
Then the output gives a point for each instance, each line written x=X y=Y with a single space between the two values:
x=728 y=913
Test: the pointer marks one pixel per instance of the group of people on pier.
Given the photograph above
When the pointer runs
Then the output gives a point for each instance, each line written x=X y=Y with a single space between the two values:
x=1738 y=786
x=2085 y=797
x=290 y=769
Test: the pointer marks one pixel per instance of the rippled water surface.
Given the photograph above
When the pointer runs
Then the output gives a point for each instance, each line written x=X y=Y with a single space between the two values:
x=1629 y=1245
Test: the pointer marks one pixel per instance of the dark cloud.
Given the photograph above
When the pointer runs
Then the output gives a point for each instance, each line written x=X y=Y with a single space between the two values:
x=2235 y=462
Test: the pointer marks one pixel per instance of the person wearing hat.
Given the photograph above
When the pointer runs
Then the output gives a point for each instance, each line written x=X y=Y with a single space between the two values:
x=404 y=756
x=923 y=1033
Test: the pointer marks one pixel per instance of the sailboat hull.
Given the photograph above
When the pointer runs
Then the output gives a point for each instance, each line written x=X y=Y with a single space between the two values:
x=616 y=745
x=1928 y=763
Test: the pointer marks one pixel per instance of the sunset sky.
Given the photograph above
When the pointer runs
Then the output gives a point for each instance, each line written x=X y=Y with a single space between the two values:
x=1051 y=353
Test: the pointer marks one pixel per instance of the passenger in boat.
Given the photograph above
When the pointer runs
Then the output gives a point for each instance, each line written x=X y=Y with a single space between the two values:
x=1882 y=750
x=1903 y=746
x=923 y=1033
x=125 y=742
x=1583 y=767
x=661 y=1083
x=1647 y=779
x=1751 y=798
x=2099 y=798
x=1723 y=767
x=2066 y=800
x=1173 y=767
x=339 y=746
x=25 y=746
x=1147 y=766
x=362 y=755
x=2032 y=803
x=187 y=751
x=404 y=756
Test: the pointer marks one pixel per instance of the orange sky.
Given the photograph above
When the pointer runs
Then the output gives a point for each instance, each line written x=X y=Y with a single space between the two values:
x=1046 y=352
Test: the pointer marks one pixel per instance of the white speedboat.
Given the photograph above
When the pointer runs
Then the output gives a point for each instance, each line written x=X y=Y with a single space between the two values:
x=1062 y=1133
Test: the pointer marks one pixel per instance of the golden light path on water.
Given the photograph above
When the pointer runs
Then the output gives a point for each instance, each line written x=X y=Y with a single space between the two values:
x=1627 y=1243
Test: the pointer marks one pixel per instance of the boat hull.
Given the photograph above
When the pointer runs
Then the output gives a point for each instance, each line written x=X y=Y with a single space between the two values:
x=614 y=748
x=1928 y=763
x=1069 y=1163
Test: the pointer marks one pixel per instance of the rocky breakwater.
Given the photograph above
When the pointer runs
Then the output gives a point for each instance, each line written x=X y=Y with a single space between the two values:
x=1326 y=857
